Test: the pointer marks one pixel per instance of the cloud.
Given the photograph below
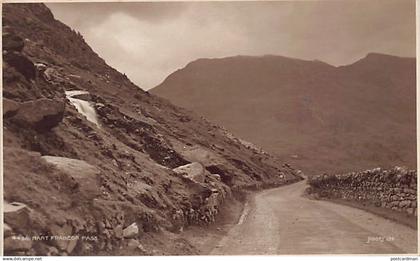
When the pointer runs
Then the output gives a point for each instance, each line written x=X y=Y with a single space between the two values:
x=90 y=13
x=148 y=41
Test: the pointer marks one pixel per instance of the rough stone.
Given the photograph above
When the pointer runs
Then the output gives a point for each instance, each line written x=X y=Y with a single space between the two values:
x=52 y=251
x=11 y=244
x=82 y=172
x=16 y=214
x=21 y=63
x=71 y=246
x=131 y=231
x=142 y=248
x=53 y=76
x=10 y=108
x=7 y=230
x=132 y=244
x=195 y=171
x=405 y=203
x=118 y=231
x=42 y=114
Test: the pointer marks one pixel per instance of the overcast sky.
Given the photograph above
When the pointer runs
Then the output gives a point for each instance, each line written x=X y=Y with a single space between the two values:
x=148 y=41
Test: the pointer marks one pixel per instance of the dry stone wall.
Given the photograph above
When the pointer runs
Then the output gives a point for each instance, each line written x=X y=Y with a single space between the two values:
x=394 y=188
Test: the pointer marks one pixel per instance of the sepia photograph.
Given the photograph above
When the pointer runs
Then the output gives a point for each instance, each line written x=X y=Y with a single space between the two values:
x=209 y=128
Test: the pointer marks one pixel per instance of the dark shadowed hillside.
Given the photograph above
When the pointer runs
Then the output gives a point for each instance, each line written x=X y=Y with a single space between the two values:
x=88 y=154
x=321 y=117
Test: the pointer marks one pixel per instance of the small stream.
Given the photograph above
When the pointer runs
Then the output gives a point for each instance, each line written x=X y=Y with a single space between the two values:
x=83 y=107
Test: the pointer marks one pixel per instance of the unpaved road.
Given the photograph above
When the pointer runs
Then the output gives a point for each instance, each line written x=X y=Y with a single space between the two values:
x=281 y=221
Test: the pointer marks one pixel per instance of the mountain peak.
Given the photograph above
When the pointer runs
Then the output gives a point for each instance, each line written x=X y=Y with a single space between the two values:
x=376 y=59
x=254 y=59
x=372 y=56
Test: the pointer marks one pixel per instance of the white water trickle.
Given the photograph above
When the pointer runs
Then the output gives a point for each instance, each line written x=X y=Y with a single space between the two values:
x=83 y=107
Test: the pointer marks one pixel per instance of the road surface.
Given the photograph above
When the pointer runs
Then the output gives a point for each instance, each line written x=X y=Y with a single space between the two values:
x=281 y=221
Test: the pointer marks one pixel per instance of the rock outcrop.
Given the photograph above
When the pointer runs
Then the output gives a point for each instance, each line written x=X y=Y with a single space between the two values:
x=41 y=114
x=85 y=175
x=194 y=171
x=21 y=63
x=395 y=188
x=12 y=48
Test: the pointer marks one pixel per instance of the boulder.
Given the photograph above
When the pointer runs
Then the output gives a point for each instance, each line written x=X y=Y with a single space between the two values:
x=10 y=108
x=78 y=169
x=118 y=231
x=52 y=76
x=7 y=230
x=71 y=246
x=16 y=214
x=194 y=171
x=52 y=251
x=42 y=114
x=199 y=154
x=142 y=248
x=133 y=244
x=82 y=172
x=12 y=244
x=21 y=63
x=131 y=231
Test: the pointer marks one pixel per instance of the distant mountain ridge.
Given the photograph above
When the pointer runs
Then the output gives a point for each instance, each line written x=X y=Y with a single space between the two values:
x=328 y=118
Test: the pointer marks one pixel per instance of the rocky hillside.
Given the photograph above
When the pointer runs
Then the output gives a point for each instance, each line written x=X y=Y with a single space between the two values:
x=93 y=165
x=321 y=117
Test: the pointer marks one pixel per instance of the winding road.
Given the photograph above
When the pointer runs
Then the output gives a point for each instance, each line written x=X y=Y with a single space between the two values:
x=281 y=221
